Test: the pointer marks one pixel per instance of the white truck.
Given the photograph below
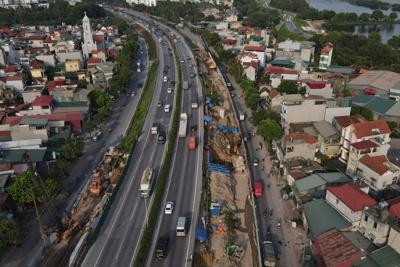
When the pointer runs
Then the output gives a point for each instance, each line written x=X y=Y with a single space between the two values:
x=268 y=252
x=242 y=116
x=146 y=182
x=185 y=85
x=183 y=125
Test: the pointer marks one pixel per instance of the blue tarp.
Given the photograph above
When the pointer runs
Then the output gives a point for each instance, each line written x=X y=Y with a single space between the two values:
x=96 y=221
x=221 y=127
x=233 y=129
x=207 y=118
x=214 y=208
x=201 y=234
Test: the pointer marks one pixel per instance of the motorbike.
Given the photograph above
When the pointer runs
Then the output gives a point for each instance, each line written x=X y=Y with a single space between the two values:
x=279 y=225
x=278 y=257
x=280 y=243
x=109 y=130
x=270 y=213
x=269 y=228
x=77 y=179
x=67 y=193
x=268 y=186
x=262 y=168
x=265 y=214
x=263 y=159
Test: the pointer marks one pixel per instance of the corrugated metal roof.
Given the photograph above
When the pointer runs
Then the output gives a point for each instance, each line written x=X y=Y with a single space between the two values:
x=380 y=105
x=385 y=256
x=326 y=129
x=309 y=182
x=15 y=155
x=322 y=217
x=33 y=121
x=394 y=110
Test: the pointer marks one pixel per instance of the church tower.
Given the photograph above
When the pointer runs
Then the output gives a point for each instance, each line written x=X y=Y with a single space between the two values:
x=88 y=44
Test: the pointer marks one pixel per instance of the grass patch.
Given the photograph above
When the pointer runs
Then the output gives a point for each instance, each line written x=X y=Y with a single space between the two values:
x=285 y=34
x=135 y=127
x=299 y=22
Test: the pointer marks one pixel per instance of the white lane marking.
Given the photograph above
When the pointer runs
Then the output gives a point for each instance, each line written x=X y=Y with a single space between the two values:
x=133 y=213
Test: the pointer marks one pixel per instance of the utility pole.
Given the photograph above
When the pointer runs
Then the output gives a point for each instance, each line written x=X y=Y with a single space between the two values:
x=38 y=218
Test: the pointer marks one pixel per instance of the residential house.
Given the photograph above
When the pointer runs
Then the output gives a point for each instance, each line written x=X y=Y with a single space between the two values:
x=48 y=59
x=36 y=40
x=349 y=201
x=319 y=217
x=72 y=66
x=326 y=56
x=50 y=44
x=338 y=80
x=7 y=95
x=337 y=107
x=328 y=138
x=264 y=89
x=99 y=54
x=376 y=223
x=17 y=82
x=10 y=70
x=107 y=70
x=70 y=55
x=274 y=101
x=259 y=51
x=295 y=146
x=93 y=62
x=32 y=92
x=100 y=41
x=278 y=73
x=37 y=68
x=315 y=185
x=304 y=50
x=341 y=122
x=42 y=105
x=385 y=256
x=228 y=43
x=251 y=70
x=319 y=88
x=377 y=171
x=383 y=109
x=298 y=108
x=294 y=176
x=334 y=249
x=358 y=132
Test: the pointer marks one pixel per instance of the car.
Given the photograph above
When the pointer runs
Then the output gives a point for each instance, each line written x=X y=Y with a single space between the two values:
x=255 y=162
x=229 y=84
x=172 y=82
x=190 y=65
x=165 y=79
x=170 y=54
x=169 y=207
x=192 y=75
x=193 y=128
x=169 y=49
x=163 y=44
x=140 y=85
x=159 y=104
x=165 y=72
x=161 y=137
x=144 y=63
x=182 y=60
x=166 y=67
x=141 y=52
x=180 y=43
x=233 y=95
x=133 y=93
x=167 y=108
x=169 y=90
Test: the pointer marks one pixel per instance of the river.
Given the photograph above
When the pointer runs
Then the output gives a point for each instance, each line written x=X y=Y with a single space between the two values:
x=386 y=30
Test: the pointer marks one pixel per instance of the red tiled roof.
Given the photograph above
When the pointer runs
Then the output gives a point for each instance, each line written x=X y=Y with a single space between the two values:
x=34 y=50
x=21 y=106
x=16 y=77
x=94 y=60
x=352 y=196
x=9 y=69
x=329 y=44
x=345 y=121
x=273 y=69
x=50 y=41
x=265 y=84
x=112 y=52
x=364 y=145
x=326 y=50
x=73 y=118
x=94 y=52
x=364 y=129
x=330 y=75
x=43 y=100
x=254 y=48
x=318 y=84
x=305 y=136
x=229 y=41
x=36 y=38
x=335 y=250
x=376 y=163
x=97 y=39
x=273 y=93
x=286 y=71
x=244 y=28
x=252 y=64
x=36 y=63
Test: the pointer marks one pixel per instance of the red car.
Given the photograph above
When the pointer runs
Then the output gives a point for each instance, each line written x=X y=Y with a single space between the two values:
x=193 y=128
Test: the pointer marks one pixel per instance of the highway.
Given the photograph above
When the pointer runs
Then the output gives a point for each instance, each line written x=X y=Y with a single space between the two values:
x=119 y=238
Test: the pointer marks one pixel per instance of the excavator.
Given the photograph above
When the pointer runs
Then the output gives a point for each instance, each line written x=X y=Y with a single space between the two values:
x=72 y=227
x=95 y=187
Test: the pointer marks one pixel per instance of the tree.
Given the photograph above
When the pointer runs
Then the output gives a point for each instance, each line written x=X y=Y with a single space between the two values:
x=20 y=190
x=103 y=111
x=266 y=78
x=88 y=126
x=252 y=100
x=365 y=112
x=269 y=129
x=393 y=16
x=365 y=17
x=375 y=37
x=287 y=87
x=258 y=116
x=72 y=149
x=73 y=75
x=302 y=90
x=82 y=83
x=100 y=99
x=63 y=164
x=377 y=15
x=9 y=231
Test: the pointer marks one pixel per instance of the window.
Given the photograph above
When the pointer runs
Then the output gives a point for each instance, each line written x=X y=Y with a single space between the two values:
x=366 y=218
x=352 y=162
x=384 y=184
x=76 y=65
x=320 y=102
x=375 y=225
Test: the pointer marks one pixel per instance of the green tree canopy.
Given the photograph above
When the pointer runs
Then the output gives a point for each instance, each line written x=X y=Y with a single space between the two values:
x=266 y=78
x=269 y=129
x=287 y=87
x=72 y=149
x=89 y=126
x=264 y=114
x=9 y=231
x=100 y=99
x=363 y=111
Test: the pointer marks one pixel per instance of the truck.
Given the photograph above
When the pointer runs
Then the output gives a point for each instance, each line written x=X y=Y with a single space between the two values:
x=192 y=142
x=195 y=100
x=257 y=189
x=183 y=125
x=146 y=182
x=138 y=63
x=154 y=128
x=242 y=116
x=268 y=252
x=185 y=85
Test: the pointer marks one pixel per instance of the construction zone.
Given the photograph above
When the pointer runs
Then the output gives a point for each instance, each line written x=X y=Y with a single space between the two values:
x=226 y=234
x=86 y=211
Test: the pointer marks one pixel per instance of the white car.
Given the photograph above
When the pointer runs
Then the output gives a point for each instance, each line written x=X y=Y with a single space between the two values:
x=169 y=90
x=169 y=207
x=165 y=79
x=167 y=108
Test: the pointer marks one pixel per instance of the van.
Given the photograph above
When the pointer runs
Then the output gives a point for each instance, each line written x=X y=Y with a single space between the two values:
x=257 y=189
x=161 y=247
x=181 y=226
x=285 y=195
